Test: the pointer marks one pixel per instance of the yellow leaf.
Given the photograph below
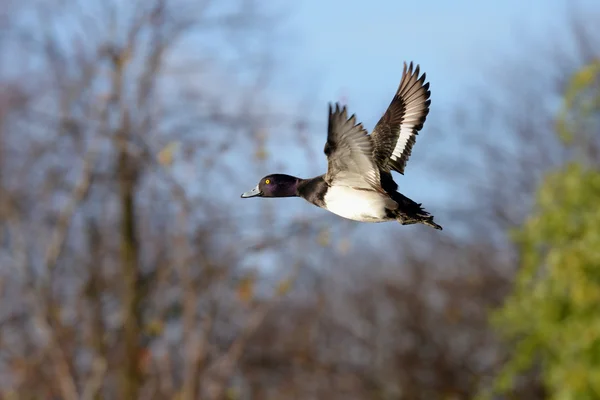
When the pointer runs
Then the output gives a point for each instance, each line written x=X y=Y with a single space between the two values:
x=323 y=238
x=579 y=83
x=155 y=327
x=245 y=288
x=231 y=394
x=585 y=76
x=284 y=286
x=261 y=153
x=166 y=155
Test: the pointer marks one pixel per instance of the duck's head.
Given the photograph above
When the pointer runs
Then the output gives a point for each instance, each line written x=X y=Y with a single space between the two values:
x=275 y=185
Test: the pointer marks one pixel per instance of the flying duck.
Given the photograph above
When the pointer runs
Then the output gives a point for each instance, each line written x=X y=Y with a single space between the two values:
x=358 y=184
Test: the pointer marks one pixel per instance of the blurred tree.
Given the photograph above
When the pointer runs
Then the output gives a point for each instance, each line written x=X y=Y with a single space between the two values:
x=127 y=270
x=552 y=315
x=115 y=278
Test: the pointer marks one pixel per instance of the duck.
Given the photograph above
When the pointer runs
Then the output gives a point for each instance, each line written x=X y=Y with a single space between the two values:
x=358 y=184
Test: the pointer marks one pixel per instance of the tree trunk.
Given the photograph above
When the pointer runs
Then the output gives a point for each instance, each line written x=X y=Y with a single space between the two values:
x=129 y=259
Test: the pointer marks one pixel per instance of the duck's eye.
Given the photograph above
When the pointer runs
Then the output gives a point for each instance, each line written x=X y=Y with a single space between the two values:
x=267 y=181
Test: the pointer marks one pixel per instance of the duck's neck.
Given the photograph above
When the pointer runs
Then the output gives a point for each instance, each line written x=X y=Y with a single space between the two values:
x=290 y=188
x=313 y=189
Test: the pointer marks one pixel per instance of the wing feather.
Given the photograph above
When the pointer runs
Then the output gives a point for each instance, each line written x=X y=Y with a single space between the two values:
x=349 y=152
x=395 y=133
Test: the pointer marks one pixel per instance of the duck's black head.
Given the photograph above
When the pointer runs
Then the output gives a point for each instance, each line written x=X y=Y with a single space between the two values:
x=275 y=185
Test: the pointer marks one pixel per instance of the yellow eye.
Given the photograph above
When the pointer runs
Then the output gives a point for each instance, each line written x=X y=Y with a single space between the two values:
x=267 y=181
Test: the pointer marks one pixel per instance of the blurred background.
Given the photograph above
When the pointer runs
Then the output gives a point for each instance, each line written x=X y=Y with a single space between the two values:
x=131 y=269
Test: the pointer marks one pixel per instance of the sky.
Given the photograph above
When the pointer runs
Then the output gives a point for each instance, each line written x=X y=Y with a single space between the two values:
x=358 y=48
x=354 y=51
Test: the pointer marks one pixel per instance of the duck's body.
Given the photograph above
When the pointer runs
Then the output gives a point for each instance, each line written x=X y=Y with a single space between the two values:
x=362 y=205
x=358 y=205
x=358 y=184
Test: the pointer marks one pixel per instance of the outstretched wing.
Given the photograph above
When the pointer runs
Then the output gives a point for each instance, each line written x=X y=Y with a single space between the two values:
x=395 y=133
x=349 y=152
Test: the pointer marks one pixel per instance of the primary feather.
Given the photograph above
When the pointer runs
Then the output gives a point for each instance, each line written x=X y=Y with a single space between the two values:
x=395 y=133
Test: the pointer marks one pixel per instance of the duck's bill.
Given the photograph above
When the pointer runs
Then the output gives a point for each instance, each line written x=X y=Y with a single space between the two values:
x=252 y=193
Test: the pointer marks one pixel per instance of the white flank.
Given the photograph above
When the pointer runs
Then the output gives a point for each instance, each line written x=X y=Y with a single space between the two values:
x=357 y=205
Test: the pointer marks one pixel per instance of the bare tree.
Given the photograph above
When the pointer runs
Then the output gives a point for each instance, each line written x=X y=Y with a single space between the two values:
x=117 y=117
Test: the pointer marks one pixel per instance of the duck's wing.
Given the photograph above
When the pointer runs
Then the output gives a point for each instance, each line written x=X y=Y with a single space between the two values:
x=349 y=152
x=395 y=133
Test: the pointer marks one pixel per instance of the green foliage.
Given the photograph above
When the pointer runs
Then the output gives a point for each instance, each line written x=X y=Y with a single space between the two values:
x=581 y=102
x=553 y=314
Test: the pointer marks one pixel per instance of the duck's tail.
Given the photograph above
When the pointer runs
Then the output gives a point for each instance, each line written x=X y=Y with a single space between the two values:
x=421 y=220
x=409 y=212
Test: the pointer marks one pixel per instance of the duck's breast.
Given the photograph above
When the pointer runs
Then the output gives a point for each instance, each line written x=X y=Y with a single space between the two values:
x=356 y=204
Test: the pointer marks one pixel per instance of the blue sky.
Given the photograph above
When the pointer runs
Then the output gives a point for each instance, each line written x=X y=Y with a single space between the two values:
x=355 y=50
x=358 y=47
